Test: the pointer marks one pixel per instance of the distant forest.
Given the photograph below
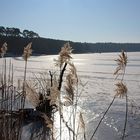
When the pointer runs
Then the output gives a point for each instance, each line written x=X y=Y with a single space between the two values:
x=17 y=40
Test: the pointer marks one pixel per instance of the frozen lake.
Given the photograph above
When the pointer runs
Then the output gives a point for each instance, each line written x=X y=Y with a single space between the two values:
x=96 y=70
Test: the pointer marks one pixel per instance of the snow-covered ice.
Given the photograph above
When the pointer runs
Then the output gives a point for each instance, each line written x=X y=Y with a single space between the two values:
x=96 y=70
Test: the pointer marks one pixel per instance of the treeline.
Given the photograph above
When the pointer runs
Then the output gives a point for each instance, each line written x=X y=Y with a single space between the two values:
x=17 y=40
x=51 y=46
x=39 y=45
x=15 y=32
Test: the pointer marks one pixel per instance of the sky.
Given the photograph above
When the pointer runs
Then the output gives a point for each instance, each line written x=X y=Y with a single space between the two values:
x=75 y=20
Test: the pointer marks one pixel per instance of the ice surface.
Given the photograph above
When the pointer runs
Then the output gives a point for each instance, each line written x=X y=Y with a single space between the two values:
x=97 y=71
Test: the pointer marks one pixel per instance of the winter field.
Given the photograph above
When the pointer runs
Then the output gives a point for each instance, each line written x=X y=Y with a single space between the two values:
x=95 y=72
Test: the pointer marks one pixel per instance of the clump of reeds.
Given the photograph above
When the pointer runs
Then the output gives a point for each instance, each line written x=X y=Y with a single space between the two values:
x=48 y=95
x=60 y=90
x=9 y=117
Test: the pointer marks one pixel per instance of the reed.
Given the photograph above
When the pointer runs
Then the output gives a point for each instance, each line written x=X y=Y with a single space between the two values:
x=121 y=90
x=9 y=117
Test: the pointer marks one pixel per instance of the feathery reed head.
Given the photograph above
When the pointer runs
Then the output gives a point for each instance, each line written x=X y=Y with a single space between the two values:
x=71 y=83
x=121 y=62
x=64 y=55
x=32 y=95
x=73 y=72
x=66 y=51
x=54 y=93
x=3 y=49
x=27 y=51
x=121 y=89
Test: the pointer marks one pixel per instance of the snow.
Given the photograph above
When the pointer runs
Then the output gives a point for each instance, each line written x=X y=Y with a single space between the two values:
x=96 y=71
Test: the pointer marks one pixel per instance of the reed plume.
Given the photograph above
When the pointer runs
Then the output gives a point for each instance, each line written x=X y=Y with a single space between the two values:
x=64 y=55
x=27 y=51
x=121 y=89
x=54 y=94
x=121 y=62
x=3 y=49
x=71 y=83
x=32 y=95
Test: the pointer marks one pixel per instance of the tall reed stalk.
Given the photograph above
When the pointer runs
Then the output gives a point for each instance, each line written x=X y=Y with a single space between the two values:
x=121 y=90
x=26 y=54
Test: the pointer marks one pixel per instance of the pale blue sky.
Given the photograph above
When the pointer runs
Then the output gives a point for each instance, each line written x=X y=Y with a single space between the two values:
x=76 y=20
